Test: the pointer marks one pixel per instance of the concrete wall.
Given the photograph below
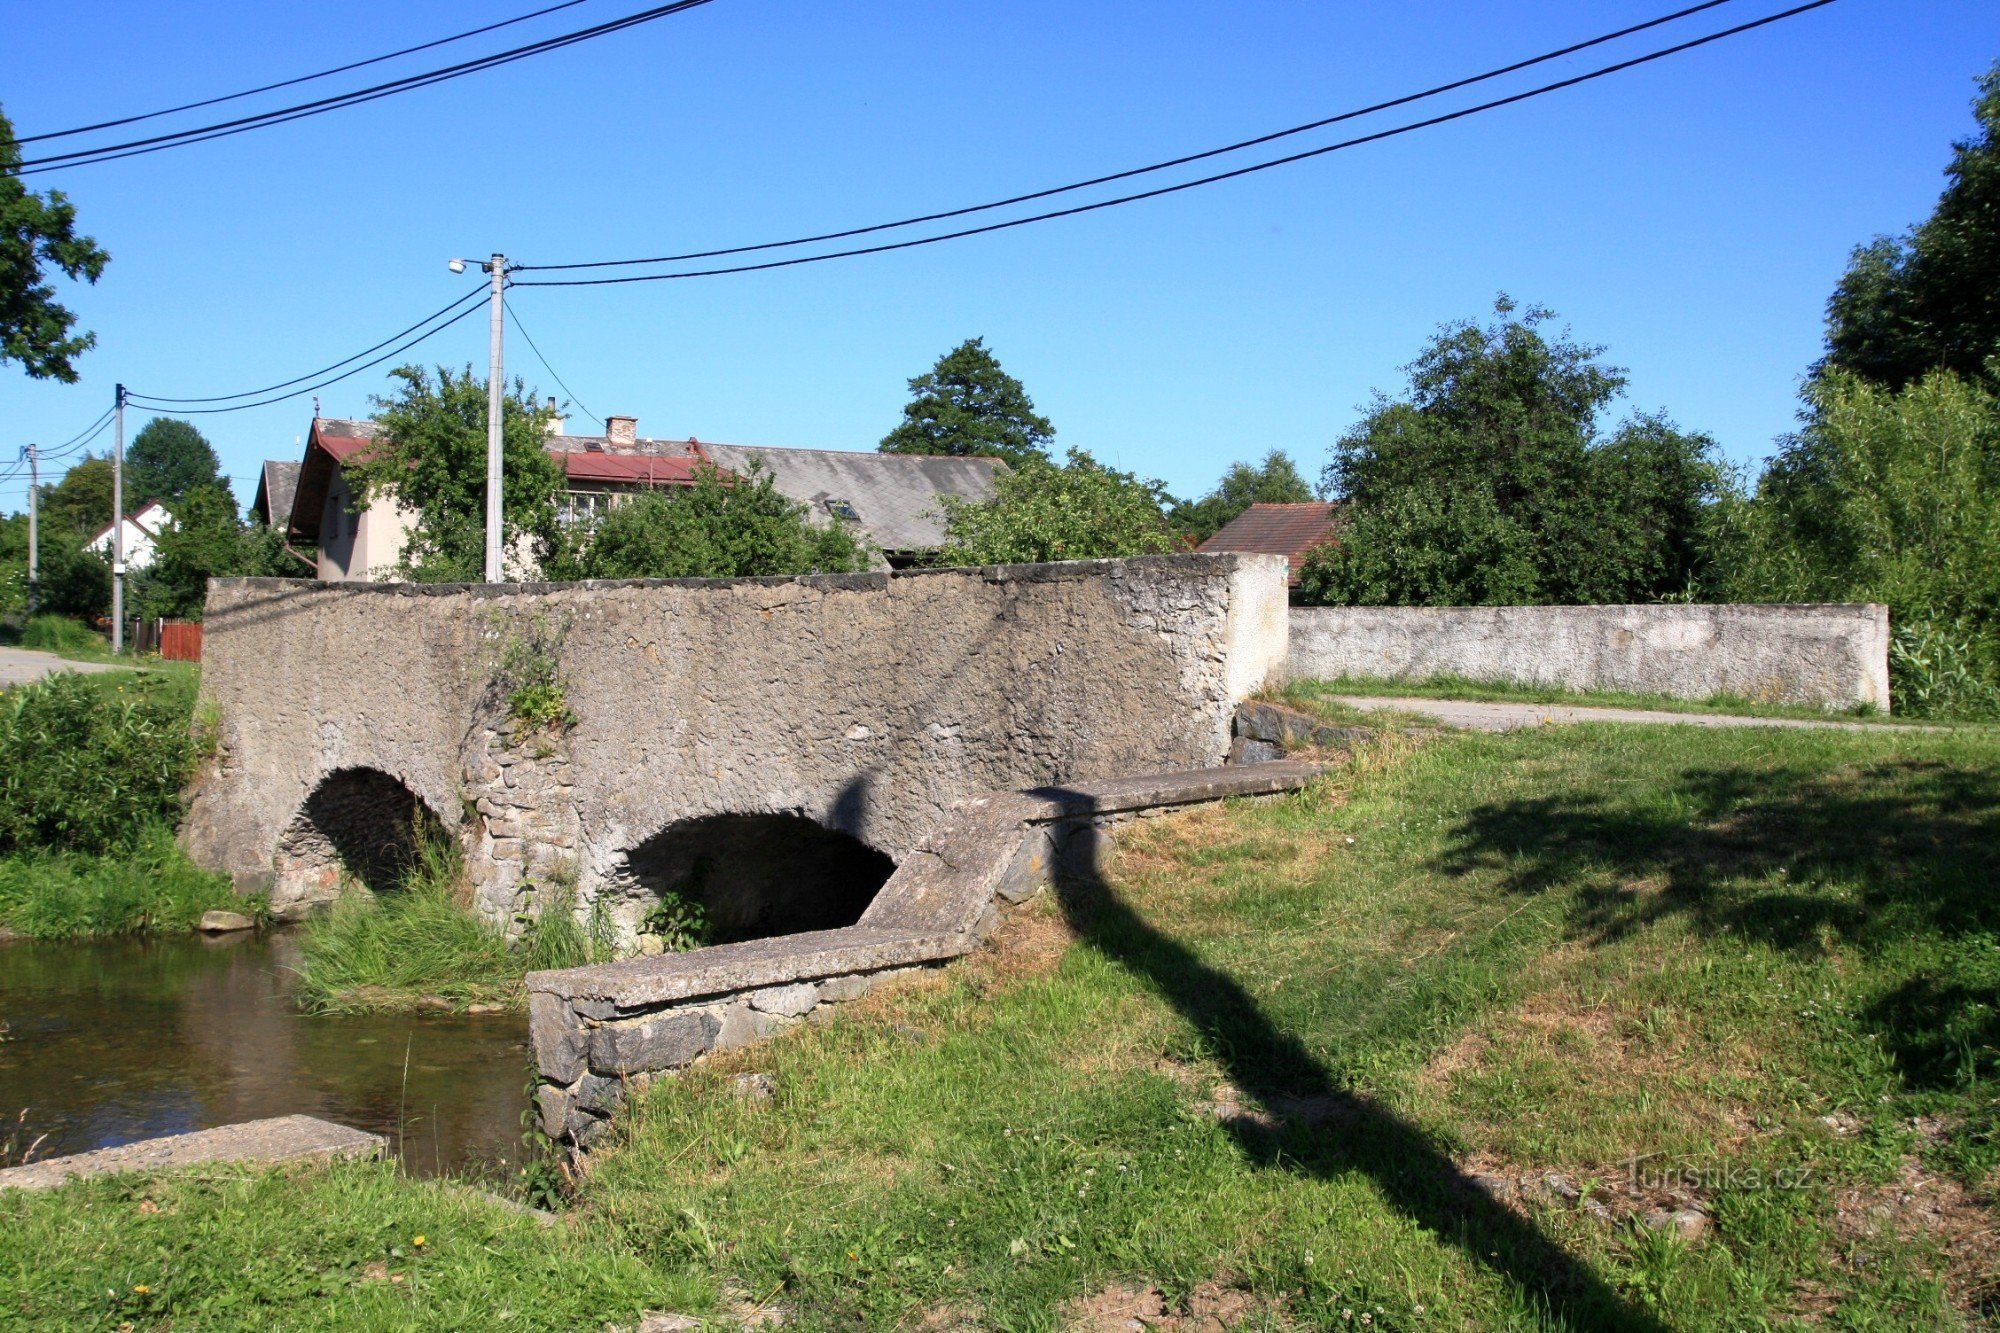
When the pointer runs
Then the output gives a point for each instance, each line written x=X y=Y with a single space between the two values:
x=1834 y=656
x=869 y=703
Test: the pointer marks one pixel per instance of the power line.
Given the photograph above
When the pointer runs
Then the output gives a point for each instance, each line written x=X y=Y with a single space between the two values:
x=303 y=78
x=408 y=83
x=466 y=299
x=1238 y=146
x=297 y=393
x=522 y=329
x=1161 y=191
x=82 y=437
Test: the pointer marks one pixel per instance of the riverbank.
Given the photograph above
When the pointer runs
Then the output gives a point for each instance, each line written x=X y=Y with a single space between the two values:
x=1608 y=1026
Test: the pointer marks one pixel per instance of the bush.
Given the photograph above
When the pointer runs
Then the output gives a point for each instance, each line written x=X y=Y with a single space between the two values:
x=1082 y=510
x=90 y=769
x=151 y=888
x=60 y=634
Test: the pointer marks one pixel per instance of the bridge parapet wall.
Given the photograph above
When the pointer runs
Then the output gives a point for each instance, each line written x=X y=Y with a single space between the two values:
x=869 y=703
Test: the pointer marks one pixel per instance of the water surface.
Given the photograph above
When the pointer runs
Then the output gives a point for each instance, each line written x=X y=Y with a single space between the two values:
x=109 y=1042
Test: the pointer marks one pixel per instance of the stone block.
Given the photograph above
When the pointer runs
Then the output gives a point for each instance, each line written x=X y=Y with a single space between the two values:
x=839 y=990
x=1030 y=869
x=558 y=1037
x=786 y=1001
x=552 y=1105
x=1244 y=750
x=743 y=1026
x=598 y=1095
x=219 y=922
x=666 y=1042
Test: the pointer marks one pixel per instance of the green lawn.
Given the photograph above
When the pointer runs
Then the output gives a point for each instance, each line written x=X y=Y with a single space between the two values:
x=1482 y=691
x=1287 y=1065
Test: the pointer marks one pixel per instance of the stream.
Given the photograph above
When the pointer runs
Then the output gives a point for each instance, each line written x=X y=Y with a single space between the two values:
x=103 y=1043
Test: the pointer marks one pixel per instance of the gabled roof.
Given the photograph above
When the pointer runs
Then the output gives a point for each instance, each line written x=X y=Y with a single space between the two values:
x=135 y=519
x=897 y=499
x=1290 y=530
x=331 y=442
x=277 y=482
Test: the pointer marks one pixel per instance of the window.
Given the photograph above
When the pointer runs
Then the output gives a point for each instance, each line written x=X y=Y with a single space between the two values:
x=842 y=509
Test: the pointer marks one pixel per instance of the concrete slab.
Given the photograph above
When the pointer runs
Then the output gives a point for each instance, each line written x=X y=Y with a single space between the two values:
x=25 y=666
x=1519 y=717
x=289 y=1138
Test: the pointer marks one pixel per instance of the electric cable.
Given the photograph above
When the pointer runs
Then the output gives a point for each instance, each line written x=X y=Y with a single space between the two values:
x=243 y=124
x=471 y=296
x=1170 y=163
x=303 y=78
x=529 y=338
x=1177 y=188
x=82 y=437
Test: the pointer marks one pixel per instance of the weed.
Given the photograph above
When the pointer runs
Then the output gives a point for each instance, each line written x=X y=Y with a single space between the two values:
x=530 y=677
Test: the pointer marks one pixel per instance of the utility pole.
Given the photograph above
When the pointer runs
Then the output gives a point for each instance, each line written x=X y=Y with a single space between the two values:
x=34 y=530
x=496 y=385
x=118 y=526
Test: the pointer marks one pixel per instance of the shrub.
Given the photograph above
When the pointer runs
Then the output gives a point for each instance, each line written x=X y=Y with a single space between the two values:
x=1082 y=510
x=60 y=634
x=90 y=769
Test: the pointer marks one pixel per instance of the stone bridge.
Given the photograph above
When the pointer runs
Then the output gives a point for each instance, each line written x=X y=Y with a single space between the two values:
x=805 y=733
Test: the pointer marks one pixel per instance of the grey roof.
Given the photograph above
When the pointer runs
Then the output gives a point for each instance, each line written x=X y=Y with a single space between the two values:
x=275 y=489
x=895 y=497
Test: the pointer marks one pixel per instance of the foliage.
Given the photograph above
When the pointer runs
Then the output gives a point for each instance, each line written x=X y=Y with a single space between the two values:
x=1488 y=483
x=1082 y=510
x=169 y=458
x=204 y=541
x=530 y=677
x=151 y=887
x=38 y=230
x=1892 y=497
x=678 y=923
x=70 y=581
x=968 y=406
x=91 y=768
x=1923 y=302
x=1275 y=481
x=720 y=527
x=60 y=634
x=433 y=459
x=81 y=501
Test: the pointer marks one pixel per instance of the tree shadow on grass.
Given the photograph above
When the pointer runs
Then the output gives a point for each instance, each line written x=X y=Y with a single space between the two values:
x=1313 y=1126
x=1895 y=856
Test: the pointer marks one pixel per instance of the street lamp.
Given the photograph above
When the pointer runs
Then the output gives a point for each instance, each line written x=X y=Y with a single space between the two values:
x=496 y=268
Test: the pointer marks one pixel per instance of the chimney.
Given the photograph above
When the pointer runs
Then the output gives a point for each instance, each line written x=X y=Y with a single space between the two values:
x=622 y=431
x=555 y=423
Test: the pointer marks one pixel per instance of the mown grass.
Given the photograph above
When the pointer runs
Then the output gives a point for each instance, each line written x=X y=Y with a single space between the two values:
x=1291 y=1060
x=421 y=945
x=1486 y=691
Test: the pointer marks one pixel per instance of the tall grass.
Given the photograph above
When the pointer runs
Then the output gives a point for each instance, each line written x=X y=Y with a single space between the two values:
x=151 y=888
x=422 y=944
x=62 y=635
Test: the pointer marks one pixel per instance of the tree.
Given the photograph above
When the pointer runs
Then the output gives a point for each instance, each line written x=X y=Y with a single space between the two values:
x=1930 y=300
x=38 y=230
x=432 y=458
x=967 y=406
x=1488 y=483
x=1079 y=511
x=167 y=459
x=81 y=501
x=205 y=541
x=1275 y=481
x=722 y=527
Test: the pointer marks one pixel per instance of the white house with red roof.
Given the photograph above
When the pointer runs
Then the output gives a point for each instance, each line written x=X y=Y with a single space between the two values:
x=142 y=531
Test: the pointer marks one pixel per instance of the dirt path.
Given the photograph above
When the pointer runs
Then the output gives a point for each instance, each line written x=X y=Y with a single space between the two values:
x=1518 y=717
x=24 y=666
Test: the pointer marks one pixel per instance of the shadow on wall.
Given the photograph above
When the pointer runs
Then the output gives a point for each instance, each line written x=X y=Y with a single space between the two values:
x=360 y=822
x=756 y=875
x=1313 y=1126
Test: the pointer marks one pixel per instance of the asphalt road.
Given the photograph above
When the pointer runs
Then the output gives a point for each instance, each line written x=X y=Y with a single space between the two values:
x=23 y=666
x=1518 y=717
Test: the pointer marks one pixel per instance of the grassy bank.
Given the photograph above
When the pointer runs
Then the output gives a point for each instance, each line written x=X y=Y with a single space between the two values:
x=1426 y=1045
x=1481 y=691
x=91 y=773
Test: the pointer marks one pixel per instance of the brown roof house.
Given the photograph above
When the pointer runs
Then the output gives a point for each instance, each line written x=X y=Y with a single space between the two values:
x=1289 y=530
x=896 y=500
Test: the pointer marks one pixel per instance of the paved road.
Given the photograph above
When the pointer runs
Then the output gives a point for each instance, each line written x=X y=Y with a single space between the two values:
x=20 y=666
x=1518 y=717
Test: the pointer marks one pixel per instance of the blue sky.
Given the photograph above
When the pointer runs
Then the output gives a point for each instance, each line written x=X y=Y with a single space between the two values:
x=1691 y=215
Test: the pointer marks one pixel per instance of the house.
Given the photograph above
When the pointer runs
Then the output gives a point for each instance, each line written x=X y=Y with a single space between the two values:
x=896 y=500
x=1289 y=530
x=276 y=483
x=142 y=531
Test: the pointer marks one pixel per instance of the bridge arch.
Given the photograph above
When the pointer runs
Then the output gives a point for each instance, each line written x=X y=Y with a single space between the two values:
x=358 y=824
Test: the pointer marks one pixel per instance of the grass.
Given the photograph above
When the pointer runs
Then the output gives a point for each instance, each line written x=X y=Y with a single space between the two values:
x=64 y=637
x=422 y=946
x=153 y=888
x=1293 y=1062
x=1482 y=691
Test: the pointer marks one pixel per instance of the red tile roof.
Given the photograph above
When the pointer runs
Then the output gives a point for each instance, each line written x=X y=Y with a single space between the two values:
x=635 y=469
x=1290 y=530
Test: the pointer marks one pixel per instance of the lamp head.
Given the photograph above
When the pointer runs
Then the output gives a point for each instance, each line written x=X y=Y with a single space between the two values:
x=457 y=266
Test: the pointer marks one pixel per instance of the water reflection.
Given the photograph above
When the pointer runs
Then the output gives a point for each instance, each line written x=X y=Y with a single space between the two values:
x=107 y=1043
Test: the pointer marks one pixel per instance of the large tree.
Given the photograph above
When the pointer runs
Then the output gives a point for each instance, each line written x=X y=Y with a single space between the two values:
x=1930 y=300
x=432 y=458
x=81 y=501
x=167 y=459
x=1275 y=481
x=1082 y=510
x=968 y=406
x=38 y=234
x=1487 y=482
x=205 y=541
x=721 y=527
